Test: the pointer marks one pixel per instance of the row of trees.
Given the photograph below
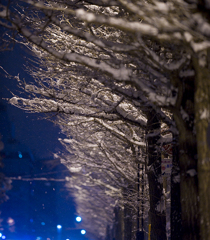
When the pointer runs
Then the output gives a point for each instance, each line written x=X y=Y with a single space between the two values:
x=116 y=76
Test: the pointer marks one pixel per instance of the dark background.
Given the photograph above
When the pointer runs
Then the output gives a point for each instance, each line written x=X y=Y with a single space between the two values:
x=30 y=128
x=35 y=207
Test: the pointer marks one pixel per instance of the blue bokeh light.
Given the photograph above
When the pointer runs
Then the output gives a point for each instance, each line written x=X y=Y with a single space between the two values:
x=78 y=219
x=20 y=155
x=83 y=231
x=59 y=226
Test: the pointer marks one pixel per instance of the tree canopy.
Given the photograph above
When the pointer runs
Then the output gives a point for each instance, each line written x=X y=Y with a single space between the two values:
x=111 y=74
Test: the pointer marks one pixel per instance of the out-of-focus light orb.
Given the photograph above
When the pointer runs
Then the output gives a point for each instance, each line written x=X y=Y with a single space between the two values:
x=83 y=231
x=10 y=221
x=20 y=155
x=3 y=237
x=59 y=226
x=0 y=234
x=67 y=239
x=78 y=219
x=43 y=223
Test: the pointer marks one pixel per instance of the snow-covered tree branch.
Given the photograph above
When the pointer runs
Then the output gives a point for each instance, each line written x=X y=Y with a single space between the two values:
x=111 y=70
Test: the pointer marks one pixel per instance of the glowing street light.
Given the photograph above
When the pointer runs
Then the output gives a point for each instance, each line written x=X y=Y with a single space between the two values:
x=78 y=219
x=83 y=232
x=59 y=226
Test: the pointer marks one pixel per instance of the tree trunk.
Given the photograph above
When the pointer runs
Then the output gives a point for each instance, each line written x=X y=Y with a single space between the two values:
x=176 y=217
x=202 y=119
x=189 y=189
x=127 y=222
x=119 y=223
x=140 y=202
x=184 y=116
x=157 y=213
x=108 y=233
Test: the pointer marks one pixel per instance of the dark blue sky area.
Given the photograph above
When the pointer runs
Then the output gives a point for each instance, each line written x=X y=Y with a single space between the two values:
x=39 y=135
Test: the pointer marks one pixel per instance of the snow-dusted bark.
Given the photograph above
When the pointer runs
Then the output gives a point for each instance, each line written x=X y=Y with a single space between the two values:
x=202 y=124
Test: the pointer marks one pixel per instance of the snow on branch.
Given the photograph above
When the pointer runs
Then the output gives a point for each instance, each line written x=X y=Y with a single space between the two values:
x=121 y=134
x=121 y=73
x=88 y=37
x=143 y=28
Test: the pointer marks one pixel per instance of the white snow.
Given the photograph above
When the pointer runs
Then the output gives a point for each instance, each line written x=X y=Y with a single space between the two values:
x=184 y=114
x=120 y=73
x=14 y=100
x=3 y=13
x=117 y=22
x=75 y=169
x=188 y=36
x=192 y=172
x=200 y=46
x=89 y=17
x=176 y=179
x=161 y=6
x=205 y=114
x=160 y=207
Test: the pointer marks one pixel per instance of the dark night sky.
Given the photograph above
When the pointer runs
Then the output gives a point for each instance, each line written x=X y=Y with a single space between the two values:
x=31 y=129
x=40 y=136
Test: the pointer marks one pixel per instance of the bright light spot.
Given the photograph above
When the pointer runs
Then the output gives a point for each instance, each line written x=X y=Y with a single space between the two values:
x=59 y=226
x=10 y=221
x=43 y=223
x=83 y=231
x=78 y=219
x=75 y=169
x=20 y=155
x=0 y=234
x=38 y=238
x=3 y=237
x=67 y=239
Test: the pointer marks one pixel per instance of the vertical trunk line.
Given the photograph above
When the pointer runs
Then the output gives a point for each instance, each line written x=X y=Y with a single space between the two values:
x=157 y=216
x=176 y=217
x=202 y=117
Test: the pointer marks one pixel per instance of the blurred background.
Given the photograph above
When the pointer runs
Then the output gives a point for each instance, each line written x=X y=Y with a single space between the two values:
x=38 y=205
